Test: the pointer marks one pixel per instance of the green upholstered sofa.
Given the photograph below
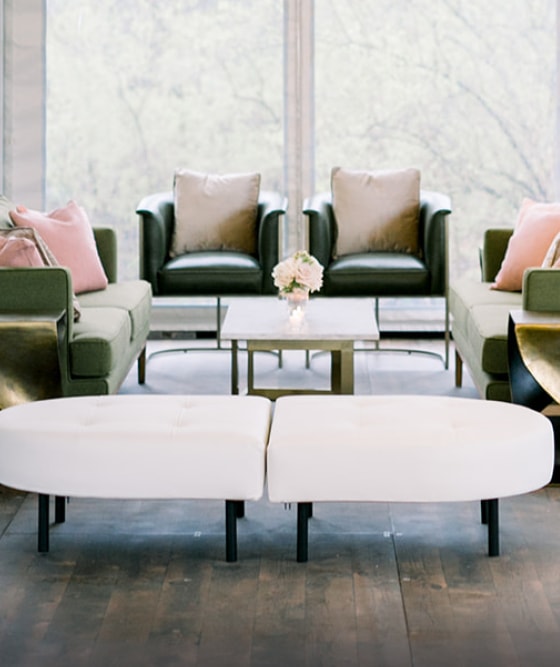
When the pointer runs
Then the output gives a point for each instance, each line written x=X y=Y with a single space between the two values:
x=96 y=352
x=480 y=315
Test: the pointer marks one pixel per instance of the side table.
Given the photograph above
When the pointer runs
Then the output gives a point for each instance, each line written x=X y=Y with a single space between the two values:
x=534 y=358
x=30 y=357
x=534 y=367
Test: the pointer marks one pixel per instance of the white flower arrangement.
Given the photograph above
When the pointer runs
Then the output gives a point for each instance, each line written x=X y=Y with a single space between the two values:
x=300 y=272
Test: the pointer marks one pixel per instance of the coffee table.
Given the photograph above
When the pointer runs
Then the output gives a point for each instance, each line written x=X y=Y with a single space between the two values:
x=329 y=324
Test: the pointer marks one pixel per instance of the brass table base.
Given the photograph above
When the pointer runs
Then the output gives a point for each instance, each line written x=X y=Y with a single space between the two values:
x=29 y=358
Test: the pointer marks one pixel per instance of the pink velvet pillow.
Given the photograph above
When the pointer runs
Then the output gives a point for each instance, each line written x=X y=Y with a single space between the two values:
x=536 y=227
x=19 y=252
x=69 y=236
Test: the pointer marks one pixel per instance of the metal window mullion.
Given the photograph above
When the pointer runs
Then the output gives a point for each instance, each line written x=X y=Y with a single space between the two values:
x=299 y=115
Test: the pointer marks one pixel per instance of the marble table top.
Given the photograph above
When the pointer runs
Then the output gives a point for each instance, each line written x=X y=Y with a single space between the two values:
x=325 y=318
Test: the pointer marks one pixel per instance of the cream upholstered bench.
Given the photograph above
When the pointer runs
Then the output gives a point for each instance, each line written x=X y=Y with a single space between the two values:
x=137 y=447
x=405 y=449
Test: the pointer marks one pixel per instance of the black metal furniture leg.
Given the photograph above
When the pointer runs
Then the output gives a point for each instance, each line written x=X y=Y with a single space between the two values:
x=493 y=528
x=240 y=508
x=43 y=525
x=59 y=509
x=484 y=512
x=304 y=511
x=231 y=530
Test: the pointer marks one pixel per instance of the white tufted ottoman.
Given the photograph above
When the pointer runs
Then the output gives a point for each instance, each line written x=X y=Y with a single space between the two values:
x=405 y=449
x=137 y=447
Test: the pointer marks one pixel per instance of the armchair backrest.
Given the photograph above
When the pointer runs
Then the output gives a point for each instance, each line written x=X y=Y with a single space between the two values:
x=157 y=221
x=433 y=236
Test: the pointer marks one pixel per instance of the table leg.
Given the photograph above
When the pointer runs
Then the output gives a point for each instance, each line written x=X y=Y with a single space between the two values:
x=234 y=367
x=493 y=527
x=43 y=524
x=304 y=511
x=342 y=371
x=60 y=509
x=347 y=370
x=231 y=531
x=250 y=371
x=335 y=372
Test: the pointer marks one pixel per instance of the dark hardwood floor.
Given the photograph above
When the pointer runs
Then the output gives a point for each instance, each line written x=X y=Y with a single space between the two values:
x=395 y=585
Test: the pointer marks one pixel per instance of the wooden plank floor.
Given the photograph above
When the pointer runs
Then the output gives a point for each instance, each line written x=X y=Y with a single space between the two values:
x=395 y=585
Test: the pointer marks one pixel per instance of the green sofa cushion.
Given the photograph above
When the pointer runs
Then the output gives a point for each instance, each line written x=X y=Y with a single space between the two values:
x=481 y=314
x=133 y=296
x=101 y=338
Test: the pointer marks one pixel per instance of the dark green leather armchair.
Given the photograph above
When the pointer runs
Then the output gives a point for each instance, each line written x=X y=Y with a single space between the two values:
x=385 y=274
x=216 y=273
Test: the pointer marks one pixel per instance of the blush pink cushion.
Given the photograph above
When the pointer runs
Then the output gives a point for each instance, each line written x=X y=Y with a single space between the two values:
x=18 y=253
x=537 y=225
x=69 y=236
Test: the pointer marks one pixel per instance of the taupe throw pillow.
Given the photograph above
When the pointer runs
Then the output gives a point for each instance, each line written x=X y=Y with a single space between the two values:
x=215 y=212
x=376 y=210
x=5 y=207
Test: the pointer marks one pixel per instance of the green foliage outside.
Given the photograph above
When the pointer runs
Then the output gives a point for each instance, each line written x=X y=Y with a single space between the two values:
x=464 y=90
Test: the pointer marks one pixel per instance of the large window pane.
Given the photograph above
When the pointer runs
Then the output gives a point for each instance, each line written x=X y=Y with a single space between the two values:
x=137 y=88
x=462 y=90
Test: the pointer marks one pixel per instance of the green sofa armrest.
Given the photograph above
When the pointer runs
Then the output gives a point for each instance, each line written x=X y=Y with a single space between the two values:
x=494 y=246
x=106 y=242
x=39 y=290
x=35 y=289
x=541 y=290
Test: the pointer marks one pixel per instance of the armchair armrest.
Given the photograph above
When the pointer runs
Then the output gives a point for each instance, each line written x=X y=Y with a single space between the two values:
x=541 y=290
x=156 y=228
x=494 y=246
x=271 y=206
x=322 y=228
x=434 y=209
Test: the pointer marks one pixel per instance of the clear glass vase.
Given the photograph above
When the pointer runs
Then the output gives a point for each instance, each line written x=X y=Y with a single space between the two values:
x=297 y=301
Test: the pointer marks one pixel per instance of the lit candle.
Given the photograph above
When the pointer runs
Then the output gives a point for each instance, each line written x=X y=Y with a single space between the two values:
x=296 y=316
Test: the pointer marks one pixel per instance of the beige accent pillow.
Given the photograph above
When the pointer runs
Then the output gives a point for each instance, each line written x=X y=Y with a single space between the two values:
x=376 y=210
x=552 y=257
x=215 y=212
x=5 y=207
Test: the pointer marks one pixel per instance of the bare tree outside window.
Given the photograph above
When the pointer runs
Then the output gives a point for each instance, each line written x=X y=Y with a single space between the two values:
x=137 y=88
x=465 y=91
